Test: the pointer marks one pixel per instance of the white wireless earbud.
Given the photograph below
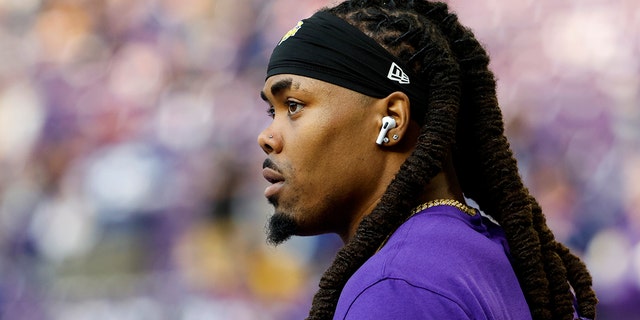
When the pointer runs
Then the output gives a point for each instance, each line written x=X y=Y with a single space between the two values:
x=388 y=123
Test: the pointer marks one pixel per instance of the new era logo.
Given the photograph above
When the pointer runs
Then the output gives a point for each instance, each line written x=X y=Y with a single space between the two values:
x=396 y=74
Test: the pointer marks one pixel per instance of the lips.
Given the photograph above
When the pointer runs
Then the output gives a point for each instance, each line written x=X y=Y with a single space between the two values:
x=276 y=180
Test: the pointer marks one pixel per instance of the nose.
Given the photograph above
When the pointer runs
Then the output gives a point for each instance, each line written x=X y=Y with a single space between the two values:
x=269 y=142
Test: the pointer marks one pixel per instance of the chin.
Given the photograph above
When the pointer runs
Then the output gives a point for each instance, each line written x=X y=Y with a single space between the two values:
x=280 y=227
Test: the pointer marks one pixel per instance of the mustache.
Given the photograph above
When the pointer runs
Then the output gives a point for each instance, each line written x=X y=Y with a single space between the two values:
x=268 y=163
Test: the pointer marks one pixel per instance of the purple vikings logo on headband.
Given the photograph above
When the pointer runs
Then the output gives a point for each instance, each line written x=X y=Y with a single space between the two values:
x=291 y=32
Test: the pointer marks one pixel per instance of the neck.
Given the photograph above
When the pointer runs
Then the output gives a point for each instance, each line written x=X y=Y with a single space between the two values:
x=443 y=186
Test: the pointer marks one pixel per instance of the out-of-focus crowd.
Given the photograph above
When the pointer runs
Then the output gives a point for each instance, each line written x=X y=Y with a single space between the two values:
x=130 y=182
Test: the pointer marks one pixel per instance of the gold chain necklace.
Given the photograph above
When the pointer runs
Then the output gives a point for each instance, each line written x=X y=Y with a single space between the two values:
x=434 y=203
x=444 y=202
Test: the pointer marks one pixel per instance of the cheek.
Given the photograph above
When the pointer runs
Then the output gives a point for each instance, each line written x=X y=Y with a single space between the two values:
x=343 y=131
x=331 y=160
x=313 y=162
x=325 y=146
x=350 y=143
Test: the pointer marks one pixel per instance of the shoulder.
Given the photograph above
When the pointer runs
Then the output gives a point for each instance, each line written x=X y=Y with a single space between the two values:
x=440 y=260
x=393 y=298
x=415 y=273
x=444 y=242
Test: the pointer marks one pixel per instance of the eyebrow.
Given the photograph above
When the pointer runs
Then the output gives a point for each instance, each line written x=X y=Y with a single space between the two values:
x=278 y=87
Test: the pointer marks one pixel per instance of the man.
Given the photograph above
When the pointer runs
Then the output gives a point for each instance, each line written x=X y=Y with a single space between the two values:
x=385 y=119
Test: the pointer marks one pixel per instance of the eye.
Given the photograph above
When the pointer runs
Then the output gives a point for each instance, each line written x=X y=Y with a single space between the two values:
x=271 y=112
x=294 y=107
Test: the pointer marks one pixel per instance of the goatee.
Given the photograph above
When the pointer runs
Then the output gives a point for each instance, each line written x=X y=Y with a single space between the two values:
x=280 y=228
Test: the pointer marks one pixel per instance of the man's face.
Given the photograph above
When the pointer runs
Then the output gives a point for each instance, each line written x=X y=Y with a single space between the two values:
x=322 y=160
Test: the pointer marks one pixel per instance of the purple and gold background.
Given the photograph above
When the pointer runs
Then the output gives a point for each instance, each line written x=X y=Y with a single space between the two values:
x=130 y=176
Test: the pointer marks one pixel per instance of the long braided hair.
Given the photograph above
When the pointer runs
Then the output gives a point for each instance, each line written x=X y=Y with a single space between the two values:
x=462 y=118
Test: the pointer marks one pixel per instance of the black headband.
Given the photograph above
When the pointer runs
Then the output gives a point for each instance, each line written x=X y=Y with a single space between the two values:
x=327 y=48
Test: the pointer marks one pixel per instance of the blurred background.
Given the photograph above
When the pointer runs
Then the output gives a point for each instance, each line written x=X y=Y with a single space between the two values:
x=130 y=176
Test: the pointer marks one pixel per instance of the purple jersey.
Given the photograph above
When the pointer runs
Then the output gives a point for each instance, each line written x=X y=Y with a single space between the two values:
x=440 y=264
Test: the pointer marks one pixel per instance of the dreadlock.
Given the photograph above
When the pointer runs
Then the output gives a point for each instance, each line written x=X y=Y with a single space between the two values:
x=462 y=118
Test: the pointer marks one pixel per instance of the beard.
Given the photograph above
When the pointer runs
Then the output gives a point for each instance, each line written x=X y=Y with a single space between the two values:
x=280 y=228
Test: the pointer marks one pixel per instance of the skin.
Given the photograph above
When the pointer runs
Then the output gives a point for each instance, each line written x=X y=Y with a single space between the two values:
x=327 y=172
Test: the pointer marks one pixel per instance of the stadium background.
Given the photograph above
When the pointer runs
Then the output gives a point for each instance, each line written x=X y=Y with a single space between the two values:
x=130 y=177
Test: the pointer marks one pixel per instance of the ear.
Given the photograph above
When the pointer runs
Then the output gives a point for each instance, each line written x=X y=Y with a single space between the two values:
x=397 y=106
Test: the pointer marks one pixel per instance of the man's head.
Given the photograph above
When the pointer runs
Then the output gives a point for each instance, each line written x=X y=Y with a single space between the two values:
x=329 y=85
x=325 y=167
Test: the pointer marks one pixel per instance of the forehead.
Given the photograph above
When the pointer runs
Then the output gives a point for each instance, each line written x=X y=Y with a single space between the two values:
x=277 y=83
x=310 y=89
